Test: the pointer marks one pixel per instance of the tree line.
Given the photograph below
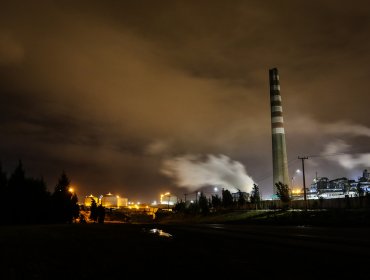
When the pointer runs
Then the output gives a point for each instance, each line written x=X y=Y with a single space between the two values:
x=216 y=203
x=26 y=200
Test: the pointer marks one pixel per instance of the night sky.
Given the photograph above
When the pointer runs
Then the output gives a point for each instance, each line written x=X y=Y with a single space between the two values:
x=143 y=97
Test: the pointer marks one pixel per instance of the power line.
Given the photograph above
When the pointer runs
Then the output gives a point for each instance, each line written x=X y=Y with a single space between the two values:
x=337 y=154
x=271 y=174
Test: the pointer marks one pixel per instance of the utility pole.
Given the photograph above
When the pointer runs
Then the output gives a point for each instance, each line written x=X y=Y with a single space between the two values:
x=304 y=182
x=185 y=194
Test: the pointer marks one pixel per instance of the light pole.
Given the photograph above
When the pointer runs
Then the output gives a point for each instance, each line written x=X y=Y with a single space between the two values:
x=304 y=182
x=291 y=188
x=168 y=207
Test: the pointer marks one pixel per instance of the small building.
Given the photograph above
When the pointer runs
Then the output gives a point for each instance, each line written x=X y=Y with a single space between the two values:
x=238 y=194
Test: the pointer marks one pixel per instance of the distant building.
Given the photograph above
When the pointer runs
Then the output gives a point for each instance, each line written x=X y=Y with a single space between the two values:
x=238 y=194
x=108 y=200
x=338 y=188
x=113 y=201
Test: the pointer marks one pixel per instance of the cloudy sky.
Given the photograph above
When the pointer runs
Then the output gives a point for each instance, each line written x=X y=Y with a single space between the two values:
x=143 y=97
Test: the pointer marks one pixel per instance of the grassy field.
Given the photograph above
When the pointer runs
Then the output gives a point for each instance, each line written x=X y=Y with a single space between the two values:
x=358 y=217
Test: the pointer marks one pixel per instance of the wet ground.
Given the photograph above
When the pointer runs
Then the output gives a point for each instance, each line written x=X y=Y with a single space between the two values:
x=90 y=251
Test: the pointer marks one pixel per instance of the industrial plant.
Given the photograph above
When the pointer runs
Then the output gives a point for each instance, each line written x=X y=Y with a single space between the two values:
x=321 y=187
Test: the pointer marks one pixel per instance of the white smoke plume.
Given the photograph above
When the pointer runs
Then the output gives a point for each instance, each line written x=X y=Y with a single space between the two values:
x=348 y=161
x=193 y=172
x=305 y=124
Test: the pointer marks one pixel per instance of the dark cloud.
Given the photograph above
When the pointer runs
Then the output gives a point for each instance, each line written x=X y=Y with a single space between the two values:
x=109 y=90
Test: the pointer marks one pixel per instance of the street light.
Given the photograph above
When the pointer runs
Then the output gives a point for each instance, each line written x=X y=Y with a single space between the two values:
x=196 y=196
x=296 y=172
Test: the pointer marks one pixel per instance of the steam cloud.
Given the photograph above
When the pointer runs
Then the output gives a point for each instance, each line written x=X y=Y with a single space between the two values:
x=192 y=172
x=346 y=160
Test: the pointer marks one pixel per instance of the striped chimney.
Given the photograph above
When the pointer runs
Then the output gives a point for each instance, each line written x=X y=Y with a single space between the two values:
x=279 y=155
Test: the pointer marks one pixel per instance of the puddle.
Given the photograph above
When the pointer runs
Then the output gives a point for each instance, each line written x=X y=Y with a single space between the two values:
x=159 y=232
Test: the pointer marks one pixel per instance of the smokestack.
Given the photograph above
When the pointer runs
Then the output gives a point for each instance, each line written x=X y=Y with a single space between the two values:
x=279 y=155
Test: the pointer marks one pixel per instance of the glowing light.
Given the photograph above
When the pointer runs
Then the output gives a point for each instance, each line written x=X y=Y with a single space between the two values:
x=296 y=191
x=71 y=190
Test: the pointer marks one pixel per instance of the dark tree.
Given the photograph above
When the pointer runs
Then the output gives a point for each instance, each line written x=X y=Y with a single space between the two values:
x=17 y=188
x=3 y=180
x=32 y=198
x=37 y=200
x=227 y=199
x=241 y=199
x=203 y=204
x=93 y=211
x=180 y=206
x=101 y=214
x=64 y=203
x=216 y=201
x=360 y=191
x=17 y=179
x=193 y=208
x=255 y=194
x=283 y=192
x=63 y=183
x=4 y=191
x=75 y=206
